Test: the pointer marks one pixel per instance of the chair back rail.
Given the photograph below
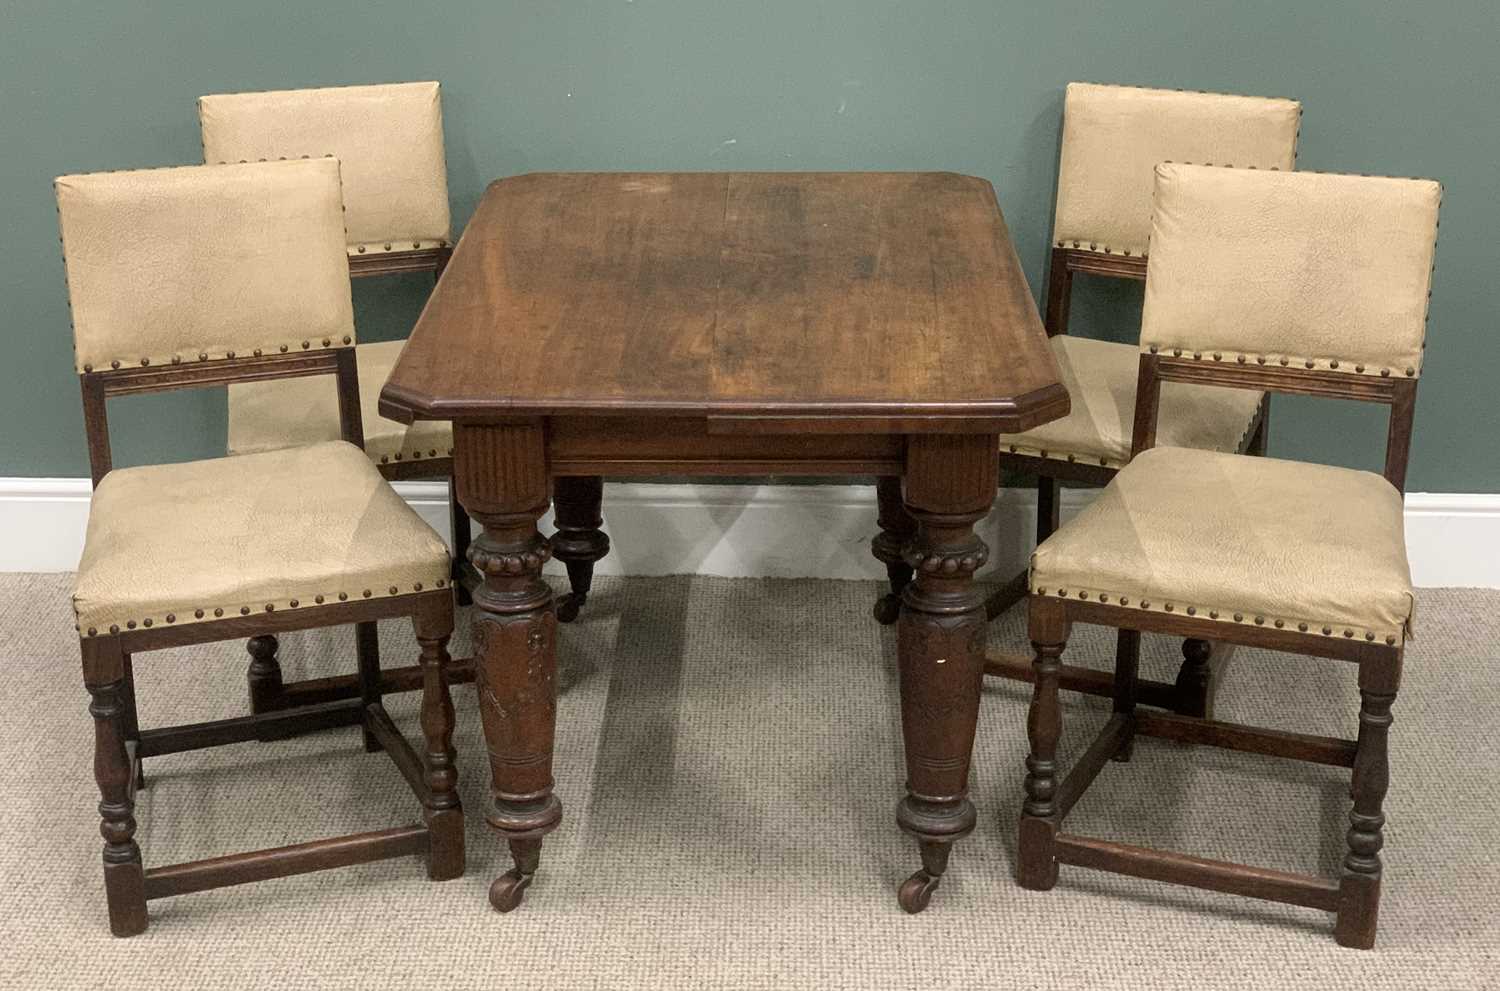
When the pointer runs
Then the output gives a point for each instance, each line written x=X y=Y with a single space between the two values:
x=204 y=276
x=1359 y=337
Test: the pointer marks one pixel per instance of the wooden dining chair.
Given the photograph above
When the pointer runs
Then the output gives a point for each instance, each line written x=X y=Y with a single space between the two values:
x=1113 y=137
x=389 y=139
x=1280 y=282
x=209 y=276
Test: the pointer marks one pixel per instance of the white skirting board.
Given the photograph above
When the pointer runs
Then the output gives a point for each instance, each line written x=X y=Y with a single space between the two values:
x=767 y=531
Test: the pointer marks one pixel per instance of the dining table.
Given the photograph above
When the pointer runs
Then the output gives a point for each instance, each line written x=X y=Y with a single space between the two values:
x=683 y=325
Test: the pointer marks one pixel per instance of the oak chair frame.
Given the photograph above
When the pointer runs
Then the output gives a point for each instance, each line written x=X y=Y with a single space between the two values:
x=1203 y=663
x=1353 y=898
x=121 y=745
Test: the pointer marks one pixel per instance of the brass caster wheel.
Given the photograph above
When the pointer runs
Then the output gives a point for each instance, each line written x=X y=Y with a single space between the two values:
x=568 y=606
x=916 y=892
x=508 y=889
x=887 y=608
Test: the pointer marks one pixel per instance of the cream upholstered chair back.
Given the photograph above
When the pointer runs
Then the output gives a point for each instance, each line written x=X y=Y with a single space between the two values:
x=389 y=139
x=203 y=263
x=1113 y=136
x=1299 y=270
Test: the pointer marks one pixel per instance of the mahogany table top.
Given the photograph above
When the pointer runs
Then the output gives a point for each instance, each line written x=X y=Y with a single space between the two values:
x=879 y=301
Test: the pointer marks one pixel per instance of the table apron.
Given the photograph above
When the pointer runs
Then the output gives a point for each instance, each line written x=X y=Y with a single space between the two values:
x=622 y=446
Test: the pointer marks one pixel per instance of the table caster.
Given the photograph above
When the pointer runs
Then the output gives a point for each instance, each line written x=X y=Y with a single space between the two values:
x=887 y=609
x=568 y=606
x=508 y=890
x=916 y=892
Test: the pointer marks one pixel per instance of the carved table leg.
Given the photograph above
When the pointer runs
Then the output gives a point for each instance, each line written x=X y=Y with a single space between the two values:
x=1359 y=887
x=501 y=472
x=124 y=879
x=950 y=483
x=1036 y=864
x=889 y=545
x=443 y=814
x=578 y=542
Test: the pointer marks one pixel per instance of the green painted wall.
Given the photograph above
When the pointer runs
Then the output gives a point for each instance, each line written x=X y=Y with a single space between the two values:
x=1389 y=86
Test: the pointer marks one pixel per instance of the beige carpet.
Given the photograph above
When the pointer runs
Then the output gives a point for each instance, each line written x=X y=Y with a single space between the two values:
x=729 y=760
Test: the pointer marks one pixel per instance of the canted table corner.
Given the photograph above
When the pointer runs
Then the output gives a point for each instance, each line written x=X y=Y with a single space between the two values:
x=690 y=324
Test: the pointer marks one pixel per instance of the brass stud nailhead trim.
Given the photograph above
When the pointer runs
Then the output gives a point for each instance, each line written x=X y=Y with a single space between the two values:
x=146 y=622
x=244 y=610
x=1238 y=617
x=367 y=593
x=394 y=590
x=197 y=613
x=1168 y=607
x=1213 y=614
x=113 y=628
x=1302 y=627
x=1191 y=611
x=318 y=599
x=1348 y=633
x=270 y=607
x=1369 y=636
x=218 y=612
x=1327 y=630
x=130 y=624
x=1390 y=641
x=1279 y=624
x=171 y=617
x=343 y=596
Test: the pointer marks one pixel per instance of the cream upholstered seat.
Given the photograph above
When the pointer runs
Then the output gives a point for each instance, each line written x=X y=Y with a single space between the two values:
x=287 y=529
x=389 y=139
x=1100 y=379
x=264 y=416
x=1257 y=541
x=1113 y=136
